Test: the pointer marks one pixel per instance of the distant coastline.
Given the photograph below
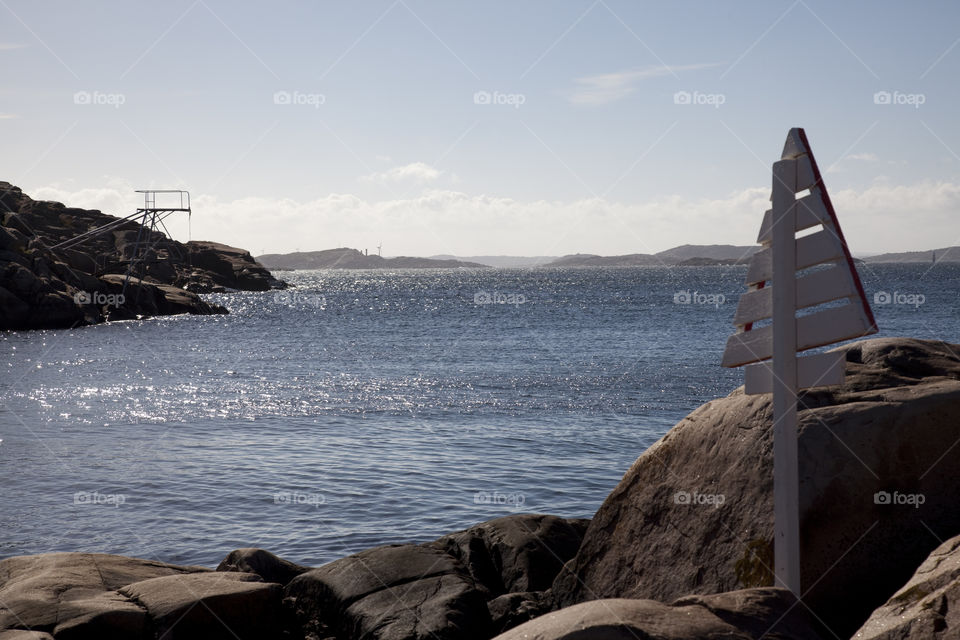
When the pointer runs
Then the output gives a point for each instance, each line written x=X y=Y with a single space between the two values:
x=684 y=255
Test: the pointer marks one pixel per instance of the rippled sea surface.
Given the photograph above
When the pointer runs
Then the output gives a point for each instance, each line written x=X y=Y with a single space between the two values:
x=363 y=408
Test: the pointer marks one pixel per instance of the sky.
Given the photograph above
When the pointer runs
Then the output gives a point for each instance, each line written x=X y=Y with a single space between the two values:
x=486 y=128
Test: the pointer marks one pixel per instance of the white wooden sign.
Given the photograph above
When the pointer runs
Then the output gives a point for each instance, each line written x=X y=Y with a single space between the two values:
x=805 y=293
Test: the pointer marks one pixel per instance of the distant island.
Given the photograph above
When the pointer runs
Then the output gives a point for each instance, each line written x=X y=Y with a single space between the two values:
x=344 y=258
x=505 y=262
x=684 y=255
x=688 y=255
x=948 y=254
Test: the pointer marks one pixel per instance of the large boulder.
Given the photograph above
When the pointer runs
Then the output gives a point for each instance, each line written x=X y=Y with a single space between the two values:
x=516 y=553
x=694 y=514
x=928 y=606
x=214 y=605
x=76 y=594
x=401 y=592
x=752 y=614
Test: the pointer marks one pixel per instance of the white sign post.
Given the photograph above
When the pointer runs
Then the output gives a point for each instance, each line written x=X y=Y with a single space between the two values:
x=788 y=275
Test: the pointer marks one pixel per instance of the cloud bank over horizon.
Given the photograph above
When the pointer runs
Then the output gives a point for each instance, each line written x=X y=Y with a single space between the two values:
x=432 y=221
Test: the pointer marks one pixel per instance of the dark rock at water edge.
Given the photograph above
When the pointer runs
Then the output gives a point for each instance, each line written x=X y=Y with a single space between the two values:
x=470 y=584
x=263 y=563
x=42 y=288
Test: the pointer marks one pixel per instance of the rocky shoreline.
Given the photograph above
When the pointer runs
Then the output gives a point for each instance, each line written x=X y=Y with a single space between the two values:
x=681 y=548
x=42 y=288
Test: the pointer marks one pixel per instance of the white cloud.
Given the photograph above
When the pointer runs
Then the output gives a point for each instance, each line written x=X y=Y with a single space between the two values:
x=415 y=172
x=9 y=46
x=863 y=157
x=8 y=116
x=609 y=87
x=882 y=217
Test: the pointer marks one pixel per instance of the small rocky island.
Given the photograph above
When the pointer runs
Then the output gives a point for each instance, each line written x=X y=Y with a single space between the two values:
x=45 y=288
x=664 y=557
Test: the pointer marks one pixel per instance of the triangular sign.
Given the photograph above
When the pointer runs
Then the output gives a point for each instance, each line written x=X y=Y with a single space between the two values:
x=825 y=273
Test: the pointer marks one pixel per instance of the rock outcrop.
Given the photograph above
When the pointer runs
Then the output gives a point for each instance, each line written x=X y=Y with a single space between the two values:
x=215 y=266
x=470 y=584
x=927 y=607
x=93 y=595
x=58 y=593
x=393 y=592
x=694 y=514
x=403 y=591
x=749 y=614
x=44 y=288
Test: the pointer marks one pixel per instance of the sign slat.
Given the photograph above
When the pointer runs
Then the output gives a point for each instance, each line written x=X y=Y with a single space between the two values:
x=814 y=330
x=811 y=211
x=806 y=177
x=817 y=370
x=826 y=285
x=816 y=248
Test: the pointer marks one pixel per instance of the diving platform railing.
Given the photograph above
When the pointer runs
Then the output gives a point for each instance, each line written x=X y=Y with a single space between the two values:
x=150 y=218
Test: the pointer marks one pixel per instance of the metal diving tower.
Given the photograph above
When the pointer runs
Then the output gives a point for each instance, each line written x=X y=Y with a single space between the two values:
x=158 y=204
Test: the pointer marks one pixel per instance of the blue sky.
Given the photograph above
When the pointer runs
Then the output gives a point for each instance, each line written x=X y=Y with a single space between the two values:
x=537 y=128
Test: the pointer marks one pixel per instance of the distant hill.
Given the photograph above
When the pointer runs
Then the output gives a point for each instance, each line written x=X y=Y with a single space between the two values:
x=686 y=255
x=720 y=252
x=591 y=260
x=345 y=258
x=948 y=254
x=502 y=261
